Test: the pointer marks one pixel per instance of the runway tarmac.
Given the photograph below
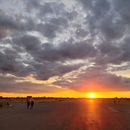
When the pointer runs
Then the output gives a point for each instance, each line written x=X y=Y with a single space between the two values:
x=77 y=114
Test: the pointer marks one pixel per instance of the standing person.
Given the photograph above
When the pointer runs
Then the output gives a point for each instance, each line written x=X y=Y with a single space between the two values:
x=31 y=103
x=28 y=102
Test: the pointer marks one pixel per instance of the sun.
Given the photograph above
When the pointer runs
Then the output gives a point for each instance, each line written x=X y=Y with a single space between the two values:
x=91 y=95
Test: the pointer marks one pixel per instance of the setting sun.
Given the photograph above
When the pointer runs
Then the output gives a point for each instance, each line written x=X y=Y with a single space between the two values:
x=91 y=95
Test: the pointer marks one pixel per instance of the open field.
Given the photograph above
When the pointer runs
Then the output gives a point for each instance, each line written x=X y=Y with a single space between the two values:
x=70 y=114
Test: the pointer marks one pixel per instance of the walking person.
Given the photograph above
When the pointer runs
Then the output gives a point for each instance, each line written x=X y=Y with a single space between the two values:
x=31 y=103
x=28 y=102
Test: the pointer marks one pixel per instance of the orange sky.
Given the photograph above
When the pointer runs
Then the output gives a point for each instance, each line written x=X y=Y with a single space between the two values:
x=72 y=93
x=66 y=92
x=81 y=48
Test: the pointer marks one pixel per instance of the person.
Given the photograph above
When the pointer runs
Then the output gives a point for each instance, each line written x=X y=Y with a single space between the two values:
x=31 y=103
x=28 y=102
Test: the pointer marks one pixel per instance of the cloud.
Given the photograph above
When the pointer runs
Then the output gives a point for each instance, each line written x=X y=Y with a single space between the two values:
x=95 y=79
x=77 y=42
x=10 y=84
x=7 y=21
x=46 y=70
x=48 y=30
x=27 y=55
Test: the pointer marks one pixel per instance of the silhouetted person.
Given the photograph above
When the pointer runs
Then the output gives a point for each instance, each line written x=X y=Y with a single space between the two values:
x=32 y=104
x=28 y=102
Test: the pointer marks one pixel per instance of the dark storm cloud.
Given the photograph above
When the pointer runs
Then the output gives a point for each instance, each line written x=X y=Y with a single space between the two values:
x=47 y=70
x=7 y=21
x=51 y=8
x=46 y=58
x=31 y=4
x=45 y=9
x=112 y=53
x=112 y=30
x=81 y=33
x=125 y=48
x=50 y=52
x=72 y=50
x=29 y=43
x=7 y=63
x=108 y=53
x=60 y=21
x=48 y=26
x=9 y=24
x=123 y=7
x=40 y=45
x=48 y=30
x=98 y=7
x=66 y=51
x=109 y=20
x=104 y=17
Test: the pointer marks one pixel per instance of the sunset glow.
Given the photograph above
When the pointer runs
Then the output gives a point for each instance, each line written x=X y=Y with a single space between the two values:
x=91 y=95
x=64 y=49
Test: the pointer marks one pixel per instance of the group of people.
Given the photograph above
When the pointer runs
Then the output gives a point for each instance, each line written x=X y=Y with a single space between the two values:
x=30 y=102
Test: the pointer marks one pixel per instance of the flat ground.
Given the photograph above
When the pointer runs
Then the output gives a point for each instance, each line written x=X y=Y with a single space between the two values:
x=67 y=115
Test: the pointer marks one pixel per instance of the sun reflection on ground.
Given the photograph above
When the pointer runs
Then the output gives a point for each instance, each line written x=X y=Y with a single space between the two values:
x=93 y=116
x=91 y=100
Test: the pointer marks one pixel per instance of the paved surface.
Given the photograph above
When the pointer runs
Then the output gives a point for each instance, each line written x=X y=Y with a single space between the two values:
x=67 y=115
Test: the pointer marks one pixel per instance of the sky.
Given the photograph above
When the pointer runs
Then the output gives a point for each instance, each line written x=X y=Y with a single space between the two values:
x=65 y=48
